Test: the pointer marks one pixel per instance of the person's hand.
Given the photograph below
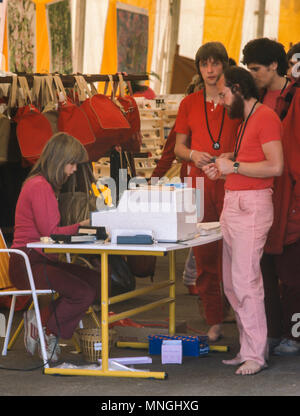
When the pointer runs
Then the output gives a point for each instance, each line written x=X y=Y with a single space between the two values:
x=85 y=223
x=228 y=155
x=200 y=159
x=211 y=171
x=224 y=166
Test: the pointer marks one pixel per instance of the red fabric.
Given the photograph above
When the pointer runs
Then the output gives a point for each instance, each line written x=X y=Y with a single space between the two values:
x=148 y=93
x=168 y=155
x=37 y=213
x=286 y=198
x=33 y=132
x=263 y=126
x=191 y=120
x=270 y=98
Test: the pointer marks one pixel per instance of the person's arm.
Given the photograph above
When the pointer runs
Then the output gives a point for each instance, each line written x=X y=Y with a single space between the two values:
x=200 y=159
x=46 y=213
x=271 y=166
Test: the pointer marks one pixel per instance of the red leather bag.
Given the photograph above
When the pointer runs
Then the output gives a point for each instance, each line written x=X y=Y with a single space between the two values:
x=33 y=128
x=132 y=139
x=72 y=119
x=107 y=119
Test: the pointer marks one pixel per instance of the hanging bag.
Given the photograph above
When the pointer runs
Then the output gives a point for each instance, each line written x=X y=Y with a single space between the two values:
x=50 y=101
x=9 y=147
x=33 y=129
x=106 y=118
x=72 y=119
x=132 y=140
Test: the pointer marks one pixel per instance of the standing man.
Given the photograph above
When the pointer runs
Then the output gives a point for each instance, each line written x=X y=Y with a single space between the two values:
x=248 y=211
x=203 y=121
x=268 y=63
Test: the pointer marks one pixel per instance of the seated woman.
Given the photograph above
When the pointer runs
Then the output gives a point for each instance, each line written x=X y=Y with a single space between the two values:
x=37 y=215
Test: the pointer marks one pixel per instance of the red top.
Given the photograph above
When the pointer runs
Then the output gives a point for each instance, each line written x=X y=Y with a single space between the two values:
x=37 y=213
x=270 y=98
x=167 y=157
x=191 y=120
x=263 y=126
x=286 y=225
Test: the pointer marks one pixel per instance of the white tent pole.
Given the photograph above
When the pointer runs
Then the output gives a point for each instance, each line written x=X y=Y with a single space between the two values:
x=79 y=35
x=261 y=18
x=173 y=40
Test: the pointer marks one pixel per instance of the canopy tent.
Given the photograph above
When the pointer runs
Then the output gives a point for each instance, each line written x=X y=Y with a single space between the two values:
x=105 y=36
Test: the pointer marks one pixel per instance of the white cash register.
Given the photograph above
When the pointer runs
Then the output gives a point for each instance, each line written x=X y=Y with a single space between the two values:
x=168 y=213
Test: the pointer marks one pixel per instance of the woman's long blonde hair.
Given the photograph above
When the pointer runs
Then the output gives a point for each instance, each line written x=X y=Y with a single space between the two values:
x=60 y=150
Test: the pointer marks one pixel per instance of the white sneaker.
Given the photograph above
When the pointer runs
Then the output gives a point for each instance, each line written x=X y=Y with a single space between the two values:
x=31 y=334
x=52 y=347
x=287 y=347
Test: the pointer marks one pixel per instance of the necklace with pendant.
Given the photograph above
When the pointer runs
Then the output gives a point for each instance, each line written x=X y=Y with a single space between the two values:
x=216 y=144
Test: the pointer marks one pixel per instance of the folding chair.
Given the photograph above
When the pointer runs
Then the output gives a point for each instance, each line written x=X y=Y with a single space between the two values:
x=7 y=289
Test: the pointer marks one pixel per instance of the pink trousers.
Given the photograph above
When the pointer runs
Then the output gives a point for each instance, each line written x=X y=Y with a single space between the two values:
x=246 y=219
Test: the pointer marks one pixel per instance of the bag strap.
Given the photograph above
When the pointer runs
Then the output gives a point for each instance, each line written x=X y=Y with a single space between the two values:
x=93 y=89
x=36 y=89
x=12 y=101
x=83 y=87
x=113 y=95
x=121 y=85
x=62 y=96
x=25 y=96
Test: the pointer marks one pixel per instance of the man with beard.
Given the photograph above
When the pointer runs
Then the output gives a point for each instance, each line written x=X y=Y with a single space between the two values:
x=248 y=211
x=203 y=131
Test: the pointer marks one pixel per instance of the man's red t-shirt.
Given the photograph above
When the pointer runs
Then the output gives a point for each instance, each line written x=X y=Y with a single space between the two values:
x=191 y=120
x=263 y=126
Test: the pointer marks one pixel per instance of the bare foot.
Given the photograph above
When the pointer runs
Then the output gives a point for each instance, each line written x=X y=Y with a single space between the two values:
x=234 y=361
x=250 y=367
x=214 y=333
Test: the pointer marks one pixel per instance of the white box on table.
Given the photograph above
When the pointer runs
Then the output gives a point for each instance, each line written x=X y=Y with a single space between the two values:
x=170 y=213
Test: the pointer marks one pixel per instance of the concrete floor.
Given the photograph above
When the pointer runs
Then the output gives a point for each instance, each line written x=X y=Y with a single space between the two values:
x=195 y=377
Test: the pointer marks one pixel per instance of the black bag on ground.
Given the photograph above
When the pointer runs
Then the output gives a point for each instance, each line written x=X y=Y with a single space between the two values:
x=122 y=280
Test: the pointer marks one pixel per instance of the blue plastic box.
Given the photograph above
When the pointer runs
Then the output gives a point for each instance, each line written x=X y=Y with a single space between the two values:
x=192 y=346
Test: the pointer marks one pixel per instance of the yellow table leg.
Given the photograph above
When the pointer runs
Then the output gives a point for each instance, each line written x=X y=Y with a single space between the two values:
x=172 y=277
x=104 y=309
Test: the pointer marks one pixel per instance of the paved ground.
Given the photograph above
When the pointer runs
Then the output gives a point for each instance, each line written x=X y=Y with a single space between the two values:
x=195 y=377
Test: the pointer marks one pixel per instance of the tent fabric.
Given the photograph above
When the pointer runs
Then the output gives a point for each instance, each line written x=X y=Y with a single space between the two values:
x=232 y=22
x=289 y=22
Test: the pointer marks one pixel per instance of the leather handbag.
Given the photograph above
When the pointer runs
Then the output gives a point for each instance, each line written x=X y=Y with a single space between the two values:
x=132 y=139
x=106 y=118
x=72 y=119
x=33 y=128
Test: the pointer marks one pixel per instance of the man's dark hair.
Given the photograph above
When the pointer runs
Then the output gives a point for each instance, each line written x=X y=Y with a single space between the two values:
x=264 y=51
x=215 y=50
x=294 y=49
x=241 y=80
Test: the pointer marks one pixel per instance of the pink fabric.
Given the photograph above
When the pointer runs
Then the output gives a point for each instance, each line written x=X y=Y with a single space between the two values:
x=245 y=221
x=37 y=213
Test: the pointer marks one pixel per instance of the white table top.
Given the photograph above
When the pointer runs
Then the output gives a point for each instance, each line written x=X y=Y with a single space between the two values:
x=100 y=245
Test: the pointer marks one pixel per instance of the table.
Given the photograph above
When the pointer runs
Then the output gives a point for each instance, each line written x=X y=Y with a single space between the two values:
x=104 y=250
